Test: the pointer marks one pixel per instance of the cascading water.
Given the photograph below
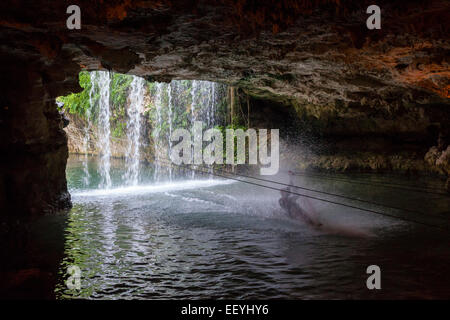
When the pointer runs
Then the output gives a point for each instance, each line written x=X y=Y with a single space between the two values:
x=212 y=104
x=170 y=115
x=103 y=80
x=175 y=104
x=211 y=114
x=157 y=134
x=204 y=100
x=179 y=103
x=135 y=108
x=87 y=129
x=194 y=102
x=203 y=96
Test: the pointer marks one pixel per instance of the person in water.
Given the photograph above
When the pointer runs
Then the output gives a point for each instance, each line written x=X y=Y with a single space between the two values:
x=288 y=202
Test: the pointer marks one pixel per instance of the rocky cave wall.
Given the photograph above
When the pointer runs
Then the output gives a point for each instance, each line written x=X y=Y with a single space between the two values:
x=333 y=139
x=33 y=144
x=315 y=57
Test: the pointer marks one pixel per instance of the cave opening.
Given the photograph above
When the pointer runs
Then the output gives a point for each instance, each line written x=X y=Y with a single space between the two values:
x=127 y=195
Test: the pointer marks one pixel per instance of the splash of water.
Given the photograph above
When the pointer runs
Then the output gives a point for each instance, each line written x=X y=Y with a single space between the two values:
x=153 y=188
x=103 y=80
x=135 y=108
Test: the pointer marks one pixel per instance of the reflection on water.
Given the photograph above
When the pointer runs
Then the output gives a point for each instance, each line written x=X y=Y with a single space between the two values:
x=216 y=239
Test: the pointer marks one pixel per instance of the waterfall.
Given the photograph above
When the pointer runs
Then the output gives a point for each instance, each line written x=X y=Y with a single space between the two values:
x=135 y=108
x=172 y=109
x=157 y=135
x=210 y=92
x=178 y=103
x=204 y=98
x=193 y=116
x=207 y=99
x=211 y=114
x=194 y=100
x=103 y=80
x=212 y=104
x=169 y=92
x=87 y=129
x=203 y=106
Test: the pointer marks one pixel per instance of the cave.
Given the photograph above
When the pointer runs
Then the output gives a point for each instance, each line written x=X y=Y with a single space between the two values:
x=352 y=100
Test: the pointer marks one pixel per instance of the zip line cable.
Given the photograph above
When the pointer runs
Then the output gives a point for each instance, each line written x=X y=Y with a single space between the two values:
x=333 y=194
x=316 y=198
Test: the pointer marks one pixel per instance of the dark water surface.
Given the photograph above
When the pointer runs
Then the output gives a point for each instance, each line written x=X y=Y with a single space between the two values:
x=219 y=239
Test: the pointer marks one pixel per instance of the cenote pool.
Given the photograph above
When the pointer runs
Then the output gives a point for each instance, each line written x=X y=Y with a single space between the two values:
x=202 y=238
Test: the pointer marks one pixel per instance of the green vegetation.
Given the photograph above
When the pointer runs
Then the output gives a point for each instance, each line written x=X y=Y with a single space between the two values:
x=79 y=103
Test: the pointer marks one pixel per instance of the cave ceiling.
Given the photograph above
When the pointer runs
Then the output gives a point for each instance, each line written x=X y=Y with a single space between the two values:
x=308 y=52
